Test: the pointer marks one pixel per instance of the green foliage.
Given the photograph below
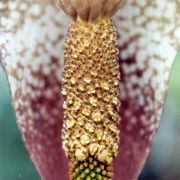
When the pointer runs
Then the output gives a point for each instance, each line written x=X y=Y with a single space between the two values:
x=174 y=87
x=14 y=160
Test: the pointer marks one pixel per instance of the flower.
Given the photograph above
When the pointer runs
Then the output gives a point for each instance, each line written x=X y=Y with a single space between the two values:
x=32 y=53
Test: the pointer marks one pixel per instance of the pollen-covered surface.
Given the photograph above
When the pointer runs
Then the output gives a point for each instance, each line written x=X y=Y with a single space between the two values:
x=90 y=169
x=31 y=43
x=91 y=90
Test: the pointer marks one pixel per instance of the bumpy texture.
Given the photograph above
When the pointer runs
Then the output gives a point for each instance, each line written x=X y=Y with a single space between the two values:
x=148 y=39
x=91 y=89
x=90 y=169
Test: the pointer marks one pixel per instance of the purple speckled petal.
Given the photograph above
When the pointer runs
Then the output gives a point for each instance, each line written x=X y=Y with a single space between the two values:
x=149 y=37
x=32 y=52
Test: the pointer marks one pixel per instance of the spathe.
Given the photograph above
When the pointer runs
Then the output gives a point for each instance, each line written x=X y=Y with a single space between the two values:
x=32 y=52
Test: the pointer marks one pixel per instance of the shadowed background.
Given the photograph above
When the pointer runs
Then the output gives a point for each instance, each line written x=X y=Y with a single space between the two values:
x=163 y=162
